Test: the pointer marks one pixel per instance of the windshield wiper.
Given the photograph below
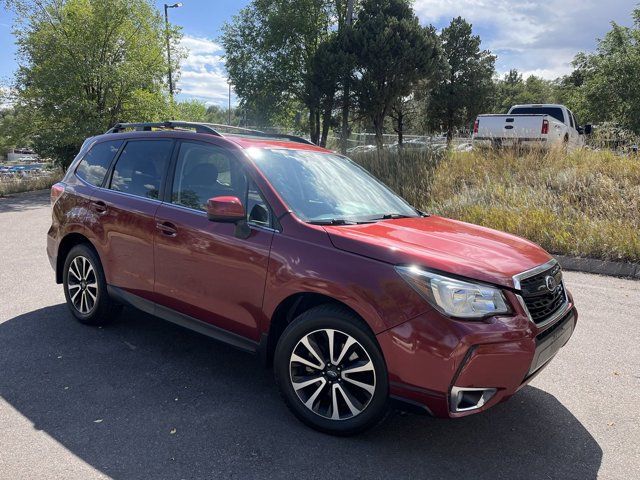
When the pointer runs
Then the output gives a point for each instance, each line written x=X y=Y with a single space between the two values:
x=333 y=221
x=391 y=216
x=394 y=216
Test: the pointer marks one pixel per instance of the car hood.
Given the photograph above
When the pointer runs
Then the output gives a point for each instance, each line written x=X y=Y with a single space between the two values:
x=442 y=244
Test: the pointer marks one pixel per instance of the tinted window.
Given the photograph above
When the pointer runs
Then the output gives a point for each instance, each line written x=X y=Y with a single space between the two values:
x=141 y=166
x=96 y=162
x=554 y=112
x=203 y=172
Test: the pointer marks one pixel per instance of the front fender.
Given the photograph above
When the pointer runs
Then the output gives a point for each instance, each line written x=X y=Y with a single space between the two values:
x=371 y=288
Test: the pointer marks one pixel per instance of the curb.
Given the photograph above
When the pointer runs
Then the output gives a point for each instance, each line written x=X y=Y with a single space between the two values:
x=600 y=267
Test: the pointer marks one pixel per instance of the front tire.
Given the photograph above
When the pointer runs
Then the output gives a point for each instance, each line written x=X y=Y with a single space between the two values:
x=331 y=372
x=85 y=287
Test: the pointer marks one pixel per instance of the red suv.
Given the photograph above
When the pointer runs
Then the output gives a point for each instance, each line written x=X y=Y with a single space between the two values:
x=297 y=254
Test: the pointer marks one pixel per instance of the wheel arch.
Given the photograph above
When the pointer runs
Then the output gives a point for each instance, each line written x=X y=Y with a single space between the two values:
x=66 y=244
x=290 y=308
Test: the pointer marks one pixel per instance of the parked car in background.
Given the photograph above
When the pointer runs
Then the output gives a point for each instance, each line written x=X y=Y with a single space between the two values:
x=289 y=251
x=530 y=125
x=361 y=149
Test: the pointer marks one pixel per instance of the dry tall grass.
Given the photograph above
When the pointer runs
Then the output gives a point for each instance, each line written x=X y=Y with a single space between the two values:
x=28 y=184
x=585 y=203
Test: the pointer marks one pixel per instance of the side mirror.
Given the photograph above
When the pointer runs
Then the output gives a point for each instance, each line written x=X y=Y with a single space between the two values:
x=225 y=209
x=588 y=129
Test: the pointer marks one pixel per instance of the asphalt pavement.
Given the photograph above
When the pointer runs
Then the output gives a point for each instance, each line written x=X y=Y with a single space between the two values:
x=143 y=398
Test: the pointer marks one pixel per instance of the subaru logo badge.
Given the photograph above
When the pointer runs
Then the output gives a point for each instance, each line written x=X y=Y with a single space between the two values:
x=551 y=283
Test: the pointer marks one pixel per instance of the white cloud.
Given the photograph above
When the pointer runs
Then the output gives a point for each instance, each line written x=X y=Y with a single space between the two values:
x=535 y=36
x=203 y=75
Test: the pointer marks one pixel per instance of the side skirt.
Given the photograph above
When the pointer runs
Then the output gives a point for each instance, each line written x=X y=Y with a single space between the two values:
x=230 y=338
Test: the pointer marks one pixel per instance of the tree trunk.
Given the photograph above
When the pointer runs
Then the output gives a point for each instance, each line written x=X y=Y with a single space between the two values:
x=326 y=122
x=344 y=133
x=378 y=128
x=400 y=128
x=313 y=126
x=449 y=128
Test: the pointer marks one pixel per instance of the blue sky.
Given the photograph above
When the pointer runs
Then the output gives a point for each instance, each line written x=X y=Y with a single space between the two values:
x=534 y=36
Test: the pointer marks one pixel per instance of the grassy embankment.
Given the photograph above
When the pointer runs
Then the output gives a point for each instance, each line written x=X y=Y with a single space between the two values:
x=9 y=186
x=585 y=203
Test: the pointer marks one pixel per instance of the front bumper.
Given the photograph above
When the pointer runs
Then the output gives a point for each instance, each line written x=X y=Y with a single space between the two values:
x=432 y=359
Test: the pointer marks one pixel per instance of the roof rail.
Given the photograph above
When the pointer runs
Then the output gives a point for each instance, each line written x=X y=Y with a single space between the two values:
x=241 y=130
x=259 y=133
x=210 y=128
x=284 y=136
x=169 y=125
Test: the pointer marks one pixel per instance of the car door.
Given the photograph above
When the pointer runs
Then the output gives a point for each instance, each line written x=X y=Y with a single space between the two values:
x=574 y=136
x=202 y=269
x=128 y=206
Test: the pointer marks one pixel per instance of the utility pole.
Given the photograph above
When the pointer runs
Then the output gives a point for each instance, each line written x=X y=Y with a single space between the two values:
x=229 y=110
x=344 y=134
x=166 y=31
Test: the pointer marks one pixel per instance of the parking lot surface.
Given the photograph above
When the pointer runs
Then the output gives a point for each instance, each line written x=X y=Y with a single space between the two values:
x=143 y=398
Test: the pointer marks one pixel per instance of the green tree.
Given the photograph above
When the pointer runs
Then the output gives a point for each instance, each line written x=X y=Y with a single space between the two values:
x=216 y=114
x=513 y=90
x=508 y=90
x=605 y=83
x=190 y=111
x=467 y=88
x=270 y=47
x=87 y=64
x=393 y=53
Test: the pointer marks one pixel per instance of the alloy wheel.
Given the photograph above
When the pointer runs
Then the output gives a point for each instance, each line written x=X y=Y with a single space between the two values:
x=82 y=285
x=332 y=374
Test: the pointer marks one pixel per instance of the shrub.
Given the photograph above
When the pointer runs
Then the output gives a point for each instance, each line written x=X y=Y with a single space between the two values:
x=9 y=186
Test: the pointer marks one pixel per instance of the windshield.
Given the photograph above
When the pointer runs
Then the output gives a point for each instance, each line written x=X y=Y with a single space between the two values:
x=327 y=188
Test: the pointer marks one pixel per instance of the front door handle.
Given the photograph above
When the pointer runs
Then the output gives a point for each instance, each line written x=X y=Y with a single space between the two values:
x=167 y=228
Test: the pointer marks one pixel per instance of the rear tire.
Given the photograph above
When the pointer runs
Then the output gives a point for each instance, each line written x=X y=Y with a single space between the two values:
x=85 y=287
x=331 y=372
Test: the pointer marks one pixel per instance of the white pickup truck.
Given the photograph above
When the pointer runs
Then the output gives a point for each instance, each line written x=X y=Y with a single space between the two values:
x=530 y=125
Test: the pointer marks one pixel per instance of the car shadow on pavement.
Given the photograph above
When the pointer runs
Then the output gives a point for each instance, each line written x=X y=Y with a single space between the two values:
x=17 y=202
x=142 y=398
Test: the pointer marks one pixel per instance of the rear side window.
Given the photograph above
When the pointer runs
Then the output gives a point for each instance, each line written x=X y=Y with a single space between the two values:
x=93 y=167
x=141 y=167
x=554 y=112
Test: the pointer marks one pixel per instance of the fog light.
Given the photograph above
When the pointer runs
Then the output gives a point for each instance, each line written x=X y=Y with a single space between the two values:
x=467 y=399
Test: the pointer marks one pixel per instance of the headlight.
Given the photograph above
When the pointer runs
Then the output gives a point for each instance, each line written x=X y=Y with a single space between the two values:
x=455 y=298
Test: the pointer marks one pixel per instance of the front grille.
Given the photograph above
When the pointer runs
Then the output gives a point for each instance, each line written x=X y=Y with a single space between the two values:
x=541 y=302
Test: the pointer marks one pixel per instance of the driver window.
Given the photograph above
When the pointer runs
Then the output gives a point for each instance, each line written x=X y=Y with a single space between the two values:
x=203 y=172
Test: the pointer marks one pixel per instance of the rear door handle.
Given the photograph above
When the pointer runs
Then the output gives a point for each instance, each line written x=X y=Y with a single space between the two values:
x=99 y=206
x=167 y=228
